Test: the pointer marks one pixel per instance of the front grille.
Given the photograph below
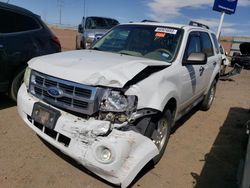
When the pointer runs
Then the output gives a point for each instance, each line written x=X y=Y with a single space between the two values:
x=73 y=96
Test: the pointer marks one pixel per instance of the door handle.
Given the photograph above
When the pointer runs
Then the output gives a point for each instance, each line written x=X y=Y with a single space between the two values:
x=201 y=70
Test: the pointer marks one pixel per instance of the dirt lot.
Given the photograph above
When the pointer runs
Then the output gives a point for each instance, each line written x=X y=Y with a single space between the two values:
x=67 y=37
x=204 y=150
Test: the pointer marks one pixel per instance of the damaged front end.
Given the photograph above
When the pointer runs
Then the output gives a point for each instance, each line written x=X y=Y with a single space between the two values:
x=98 y=127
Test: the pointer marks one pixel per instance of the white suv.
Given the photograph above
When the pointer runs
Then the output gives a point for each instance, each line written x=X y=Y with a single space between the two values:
x=111 y=108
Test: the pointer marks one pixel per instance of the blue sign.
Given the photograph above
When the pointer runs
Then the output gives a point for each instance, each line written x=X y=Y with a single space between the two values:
x=227 y=6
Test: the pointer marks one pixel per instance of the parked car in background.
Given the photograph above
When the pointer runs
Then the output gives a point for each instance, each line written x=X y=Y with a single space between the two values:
x=225 y=62
x=242 y=59
x=23 y=36
x=92 y=28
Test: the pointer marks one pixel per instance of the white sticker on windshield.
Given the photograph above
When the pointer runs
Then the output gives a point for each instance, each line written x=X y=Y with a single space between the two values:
x=166 y=30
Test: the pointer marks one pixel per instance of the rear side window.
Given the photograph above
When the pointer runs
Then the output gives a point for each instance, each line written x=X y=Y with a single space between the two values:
x=12 y=22
x=216 y=43
x=207 y=46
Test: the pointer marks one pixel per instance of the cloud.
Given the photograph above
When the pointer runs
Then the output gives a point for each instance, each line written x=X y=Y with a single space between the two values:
x=243 y=2
x=228 y=28
x=165 y=10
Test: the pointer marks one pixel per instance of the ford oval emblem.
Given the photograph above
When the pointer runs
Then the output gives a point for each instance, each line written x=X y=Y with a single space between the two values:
x=54 y=92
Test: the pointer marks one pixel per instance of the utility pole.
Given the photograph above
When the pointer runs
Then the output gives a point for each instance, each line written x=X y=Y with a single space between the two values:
x=84 y=9
x=60 y=4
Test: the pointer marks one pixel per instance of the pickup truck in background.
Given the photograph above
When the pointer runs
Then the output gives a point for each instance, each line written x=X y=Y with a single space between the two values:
x=112 y=107
x=91 y=29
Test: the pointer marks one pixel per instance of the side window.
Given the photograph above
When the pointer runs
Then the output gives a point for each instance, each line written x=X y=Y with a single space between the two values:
x=193 y=45
x=12 y=22
x=216 y=43
x=207 y=46
x=89 y=23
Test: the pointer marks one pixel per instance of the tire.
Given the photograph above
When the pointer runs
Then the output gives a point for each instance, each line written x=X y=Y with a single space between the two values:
x=154 y=132
x=209 y=97
x=15 y=85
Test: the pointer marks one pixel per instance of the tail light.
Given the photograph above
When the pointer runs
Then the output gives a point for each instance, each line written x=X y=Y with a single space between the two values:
x=56 y=40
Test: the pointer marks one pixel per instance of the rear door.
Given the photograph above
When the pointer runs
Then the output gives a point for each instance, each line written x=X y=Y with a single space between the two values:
x=207 y=48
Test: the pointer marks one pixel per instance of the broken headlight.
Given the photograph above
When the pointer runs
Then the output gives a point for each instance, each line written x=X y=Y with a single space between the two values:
x=101 y=129
x=115 y=101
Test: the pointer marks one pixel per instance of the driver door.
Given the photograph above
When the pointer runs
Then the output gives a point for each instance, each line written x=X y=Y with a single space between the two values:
x=192 y=75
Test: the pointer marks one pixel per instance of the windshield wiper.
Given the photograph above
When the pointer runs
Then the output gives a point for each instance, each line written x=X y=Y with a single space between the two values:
x=124 y=53
x=95 y=48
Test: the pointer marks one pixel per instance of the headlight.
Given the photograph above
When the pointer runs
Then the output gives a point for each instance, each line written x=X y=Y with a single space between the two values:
x=89 y=40
x=26 y=78
x=115 y=101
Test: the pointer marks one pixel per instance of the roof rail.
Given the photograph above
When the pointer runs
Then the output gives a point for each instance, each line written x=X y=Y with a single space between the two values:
x=148 y=21
x=193 y=23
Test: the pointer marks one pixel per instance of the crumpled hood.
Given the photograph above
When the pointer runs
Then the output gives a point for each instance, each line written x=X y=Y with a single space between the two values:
x=245 y=48
x=92 y=67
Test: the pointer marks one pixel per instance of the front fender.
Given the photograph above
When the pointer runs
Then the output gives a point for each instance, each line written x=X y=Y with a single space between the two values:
x=154 y=94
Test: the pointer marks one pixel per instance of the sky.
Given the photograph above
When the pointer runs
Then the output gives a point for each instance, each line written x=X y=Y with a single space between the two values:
x=174 y=11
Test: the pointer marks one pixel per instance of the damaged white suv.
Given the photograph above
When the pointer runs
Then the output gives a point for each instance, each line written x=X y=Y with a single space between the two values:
x=111 y=108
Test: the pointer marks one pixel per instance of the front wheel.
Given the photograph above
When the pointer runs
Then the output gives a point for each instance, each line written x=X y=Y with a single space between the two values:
x=159 y=132
x=15 y=85
x=209 y=97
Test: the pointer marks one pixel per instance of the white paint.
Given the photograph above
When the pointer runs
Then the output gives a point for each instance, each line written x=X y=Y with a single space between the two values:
x=92 y=67
x=131 y=150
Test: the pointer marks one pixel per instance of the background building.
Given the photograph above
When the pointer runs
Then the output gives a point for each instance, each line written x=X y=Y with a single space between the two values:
x=231 y=44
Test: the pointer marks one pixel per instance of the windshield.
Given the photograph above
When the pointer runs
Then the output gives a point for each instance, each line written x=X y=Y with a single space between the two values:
x=100 y=23
x=153 y=42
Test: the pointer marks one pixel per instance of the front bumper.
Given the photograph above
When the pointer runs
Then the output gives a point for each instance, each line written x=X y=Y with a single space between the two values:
x=73 y=136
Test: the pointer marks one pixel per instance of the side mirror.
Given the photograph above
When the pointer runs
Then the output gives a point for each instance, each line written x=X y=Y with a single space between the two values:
x=196 y=59
x=80 y=28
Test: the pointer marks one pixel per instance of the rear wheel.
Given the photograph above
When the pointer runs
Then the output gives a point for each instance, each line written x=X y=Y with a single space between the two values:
x=15 y=85
x=159 y=131
x=209 y=97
